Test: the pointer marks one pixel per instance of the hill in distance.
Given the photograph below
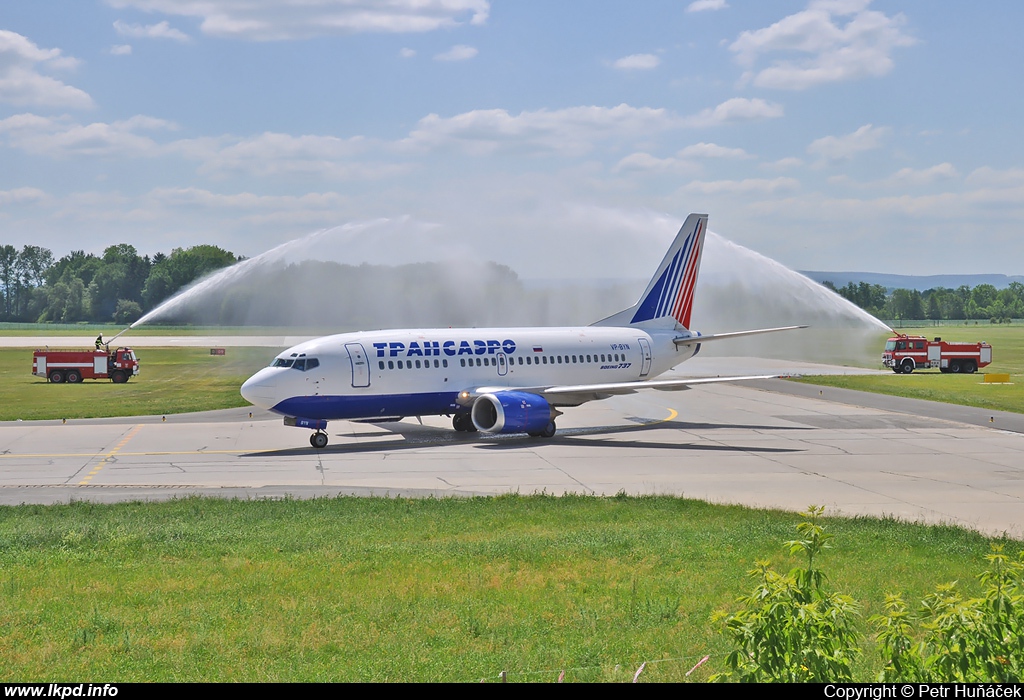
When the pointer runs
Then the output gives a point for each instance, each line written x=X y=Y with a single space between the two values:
x=918 y=282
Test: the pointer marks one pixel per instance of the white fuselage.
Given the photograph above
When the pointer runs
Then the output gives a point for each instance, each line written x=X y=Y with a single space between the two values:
x=395 y=373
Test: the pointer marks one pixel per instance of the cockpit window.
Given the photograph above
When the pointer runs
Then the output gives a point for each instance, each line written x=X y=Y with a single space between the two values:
x=304 y=364
x=282 y=362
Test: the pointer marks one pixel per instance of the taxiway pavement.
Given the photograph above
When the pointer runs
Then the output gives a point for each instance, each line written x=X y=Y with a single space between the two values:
x=760 y=445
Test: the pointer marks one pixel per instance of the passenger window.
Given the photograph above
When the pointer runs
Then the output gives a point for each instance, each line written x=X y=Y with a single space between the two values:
x=462 y=361
x=417 y=364
x=436 y=364
x=444 y=363
x=400 y=365
x=381 y=363
x=520 y=360
x=391 y=364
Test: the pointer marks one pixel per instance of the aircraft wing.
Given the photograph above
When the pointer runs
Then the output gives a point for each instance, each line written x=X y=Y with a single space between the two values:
x=693 y=339
x=576 y=394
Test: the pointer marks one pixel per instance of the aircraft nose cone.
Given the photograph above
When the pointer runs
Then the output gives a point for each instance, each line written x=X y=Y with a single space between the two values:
x=259 y=390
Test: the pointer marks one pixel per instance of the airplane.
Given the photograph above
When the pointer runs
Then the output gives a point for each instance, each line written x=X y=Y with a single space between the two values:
x=496 y=380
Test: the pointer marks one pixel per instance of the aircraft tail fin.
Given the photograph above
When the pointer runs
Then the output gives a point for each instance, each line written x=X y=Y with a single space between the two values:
x=668 y=300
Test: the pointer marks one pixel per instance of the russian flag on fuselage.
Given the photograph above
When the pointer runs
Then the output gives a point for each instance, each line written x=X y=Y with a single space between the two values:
x=672 y=294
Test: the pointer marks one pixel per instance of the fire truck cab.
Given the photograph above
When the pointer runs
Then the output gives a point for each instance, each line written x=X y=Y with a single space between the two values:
x=905 y=353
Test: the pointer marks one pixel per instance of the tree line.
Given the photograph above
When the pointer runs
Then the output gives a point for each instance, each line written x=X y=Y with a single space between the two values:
x=939 y=304
x=118 y=286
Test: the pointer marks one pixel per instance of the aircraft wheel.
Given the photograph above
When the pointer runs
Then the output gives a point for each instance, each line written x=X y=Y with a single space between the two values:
x=56 y=377
x=119 y=377
x=463 y=423
x=73 y=377
x=318 y=440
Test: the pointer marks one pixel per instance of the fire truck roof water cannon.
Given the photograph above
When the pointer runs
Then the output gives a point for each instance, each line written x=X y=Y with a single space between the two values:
x=905 y=353
x=72 y=366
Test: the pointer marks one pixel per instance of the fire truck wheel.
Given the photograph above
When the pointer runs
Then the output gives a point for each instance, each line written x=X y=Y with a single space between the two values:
x=56 y=377
x=907 y=366
x=954 y=367
x=73 y=377
x=119 y=377
x=969 y=367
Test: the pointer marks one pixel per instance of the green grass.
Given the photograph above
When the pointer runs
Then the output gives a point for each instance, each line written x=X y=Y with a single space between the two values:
x=91 y=330
x=370 y=589
x=967 y=390
x=172 y=380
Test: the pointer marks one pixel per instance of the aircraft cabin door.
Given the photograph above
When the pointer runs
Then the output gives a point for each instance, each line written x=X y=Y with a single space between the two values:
x=502 y=364
x=360 y=367
x=645 y=350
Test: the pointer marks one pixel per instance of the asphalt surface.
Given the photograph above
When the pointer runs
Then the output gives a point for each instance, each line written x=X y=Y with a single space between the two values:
x=766 y=444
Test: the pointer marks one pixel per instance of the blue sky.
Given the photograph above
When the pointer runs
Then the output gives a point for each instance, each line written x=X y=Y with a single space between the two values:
x=565 y=139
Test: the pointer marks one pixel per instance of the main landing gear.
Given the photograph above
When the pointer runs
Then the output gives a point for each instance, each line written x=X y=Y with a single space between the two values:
x=318 y=440
x=547 y=432
x=463 y=423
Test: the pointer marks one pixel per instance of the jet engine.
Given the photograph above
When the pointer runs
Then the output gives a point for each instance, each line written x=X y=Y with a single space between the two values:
x=512 y=412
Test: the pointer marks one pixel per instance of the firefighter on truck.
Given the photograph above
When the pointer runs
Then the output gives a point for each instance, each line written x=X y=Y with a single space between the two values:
x=905 y=353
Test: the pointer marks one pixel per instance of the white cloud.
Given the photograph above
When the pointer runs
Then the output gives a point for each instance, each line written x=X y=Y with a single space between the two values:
x=925 y=176
x=161 y=30
x=783 y=163
x=121 y=49
x=865 y=138
x=637 y=61
x=271 y=154
x=748 y=186
x=987 y=176
x=736 y=109
x=645 y=162
x=862 y=47
x=460 y=52
x=702 y=5
x=22 y=84
x=273 y=20
x=21 y=195
x=571 y=131
x=406 y=53
x=61 y=137
x=712 y=150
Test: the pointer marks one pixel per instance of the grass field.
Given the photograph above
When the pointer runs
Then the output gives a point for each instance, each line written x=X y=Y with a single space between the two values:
x=370 y=589
x=172 y=380
x=91 y=330
x=968 y=390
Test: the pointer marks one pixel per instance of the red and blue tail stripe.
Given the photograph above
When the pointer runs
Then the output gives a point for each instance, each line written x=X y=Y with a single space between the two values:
x=671 y=291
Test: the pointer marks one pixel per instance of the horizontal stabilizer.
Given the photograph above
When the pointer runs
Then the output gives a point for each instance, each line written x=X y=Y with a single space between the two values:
x=694 y=339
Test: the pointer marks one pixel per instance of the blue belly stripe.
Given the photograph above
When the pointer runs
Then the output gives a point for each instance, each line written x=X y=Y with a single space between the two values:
x=351 y=407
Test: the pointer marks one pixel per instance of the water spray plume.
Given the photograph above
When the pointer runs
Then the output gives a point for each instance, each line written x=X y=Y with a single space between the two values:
x=740 y=288
x=326 y=243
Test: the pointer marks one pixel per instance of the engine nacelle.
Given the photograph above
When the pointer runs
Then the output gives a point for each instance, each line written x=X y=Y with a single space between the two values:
x=511 y=412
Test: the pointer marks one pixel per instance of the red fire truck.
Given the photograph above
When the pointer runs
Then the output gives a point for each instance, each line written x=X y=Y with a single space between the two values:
x=905 y=353
x=72 y=366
